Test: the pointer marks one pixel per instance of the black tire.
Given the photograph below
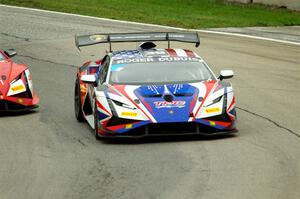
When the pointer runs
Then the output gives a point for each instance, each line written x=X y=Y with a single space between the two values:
x=77 y=103
x=96 y=124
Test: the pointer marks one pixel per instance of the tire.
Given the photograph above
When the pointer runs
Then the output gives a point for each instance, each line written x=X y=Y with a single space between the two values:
x=77 y=103
x=96 y=124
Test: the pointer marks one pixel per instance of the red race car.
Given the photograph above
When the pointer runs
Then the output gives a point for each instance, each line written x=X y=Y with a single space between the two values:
x=16 y=92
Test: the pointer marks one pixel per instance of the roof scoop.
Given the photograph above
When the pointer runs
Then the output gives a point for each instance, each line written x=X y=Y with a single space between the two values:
x=147 y=45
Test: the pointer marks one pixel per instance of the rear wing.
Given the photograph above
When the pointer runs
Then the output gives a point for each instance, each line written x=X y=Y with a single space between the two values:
x=87 y=40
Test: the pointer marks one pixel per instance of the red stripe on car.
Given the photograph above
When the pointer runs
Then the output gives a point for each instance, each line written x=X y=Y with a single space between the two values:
x=172 y=52
x=189 y=53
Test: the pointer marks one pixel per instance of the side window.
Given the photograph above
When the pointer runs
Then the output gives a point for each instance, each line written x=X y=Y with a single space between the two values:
x=1 y=57
x=104 y=69
x=101 y=66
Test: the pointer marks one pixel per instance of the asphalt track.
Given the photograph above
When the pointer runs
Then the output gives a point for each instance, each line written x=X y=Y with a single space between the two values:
x=47 y=154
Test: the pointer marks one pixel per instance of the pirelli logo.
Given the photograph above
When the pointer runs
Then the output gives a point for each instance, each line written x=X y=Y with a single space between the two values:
x=129 y=114
x=212 y=110
x=17 y=88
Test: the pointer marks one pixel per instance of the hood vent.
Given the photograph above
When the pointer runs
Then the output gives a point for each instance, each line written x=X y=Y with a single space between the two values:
x=183 y=94
x=153 y=95
x=168 y=98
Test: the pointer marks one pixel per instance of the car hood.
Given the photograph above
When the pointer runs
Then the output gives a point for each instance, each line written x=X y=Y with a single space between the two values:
x=170 y=102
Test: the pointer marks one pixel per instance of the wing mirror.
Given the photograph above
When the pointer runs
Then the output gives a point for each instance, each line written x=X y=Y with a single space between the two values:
x=225 y=74
x=10 y=52
x=89 y=79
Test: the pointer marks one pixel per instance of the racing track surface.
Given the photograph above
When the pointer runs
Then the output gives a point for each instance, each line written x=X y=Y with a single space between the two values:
x=48 y=154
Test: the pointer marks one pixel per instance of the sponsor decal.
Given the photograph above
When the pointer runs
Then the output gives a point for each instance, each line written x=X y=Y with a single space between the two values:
x=17 y=88
x=128 y=126
x=97 y=37
x=173 y=104
x=129 y=114
x=134 y=60
x=212 y=110
x=152 y=53
x=172 y=59
x=160 y=59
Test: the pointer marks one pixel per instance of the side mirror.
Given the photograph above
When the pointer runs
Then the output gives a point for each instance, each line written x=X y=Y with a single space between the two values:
x=225 y=74
x=10 y=52
x=89 y=79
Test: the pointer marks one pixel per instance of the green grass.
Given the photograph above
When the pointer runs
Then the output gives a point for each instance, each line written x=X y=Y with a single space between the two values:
x=179 y=13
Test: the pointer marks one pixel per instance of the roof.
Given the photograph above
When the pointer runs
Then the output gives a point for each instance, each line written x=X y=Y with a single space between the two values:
x=151 y=53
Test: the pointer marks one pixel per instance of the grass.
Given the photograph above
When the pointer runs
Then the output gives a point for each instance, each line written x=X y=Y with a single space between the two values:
x=180 y=13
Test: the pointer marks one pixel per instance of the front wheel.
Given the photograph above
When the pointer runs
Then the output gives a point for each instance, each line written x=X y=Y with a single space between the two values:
x=77 y=103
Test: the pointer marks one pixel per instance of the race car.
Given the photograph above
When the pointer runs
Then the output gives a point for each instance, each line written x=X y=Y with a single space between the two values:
x=16 y=91
x=151 y=91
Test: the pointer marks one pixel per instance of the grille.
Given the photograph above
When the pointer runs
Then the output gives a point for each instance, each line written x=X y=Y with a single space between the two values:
x=140 y=131
x=26 y=94
x=183 y=128
x=7 y=105
x=224 y=118
x=172 y=128
x=117 y=121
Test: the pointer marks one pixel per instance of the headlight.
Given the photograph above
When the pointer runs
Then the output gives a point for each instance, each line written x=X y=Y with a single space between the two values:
x=215 y=101
x=122 y=104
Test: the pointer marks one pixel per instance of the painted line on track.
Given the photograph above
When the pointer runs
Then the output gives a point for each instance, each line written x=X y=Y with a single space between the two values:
x=155 y=25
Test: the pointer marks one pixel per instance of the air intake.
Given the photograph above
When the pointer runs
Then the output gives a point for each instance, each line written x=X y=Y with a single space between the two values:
x=147 y=45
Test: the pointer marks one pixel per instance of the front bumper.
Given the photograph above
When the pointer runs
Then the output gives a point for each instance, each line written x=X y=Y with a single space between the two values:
x=167 y=129
x=8 y=106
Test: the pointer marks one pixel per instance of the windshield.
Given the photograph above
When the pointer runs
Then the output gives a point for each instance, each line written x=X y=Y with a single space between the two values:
x=159 y=72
